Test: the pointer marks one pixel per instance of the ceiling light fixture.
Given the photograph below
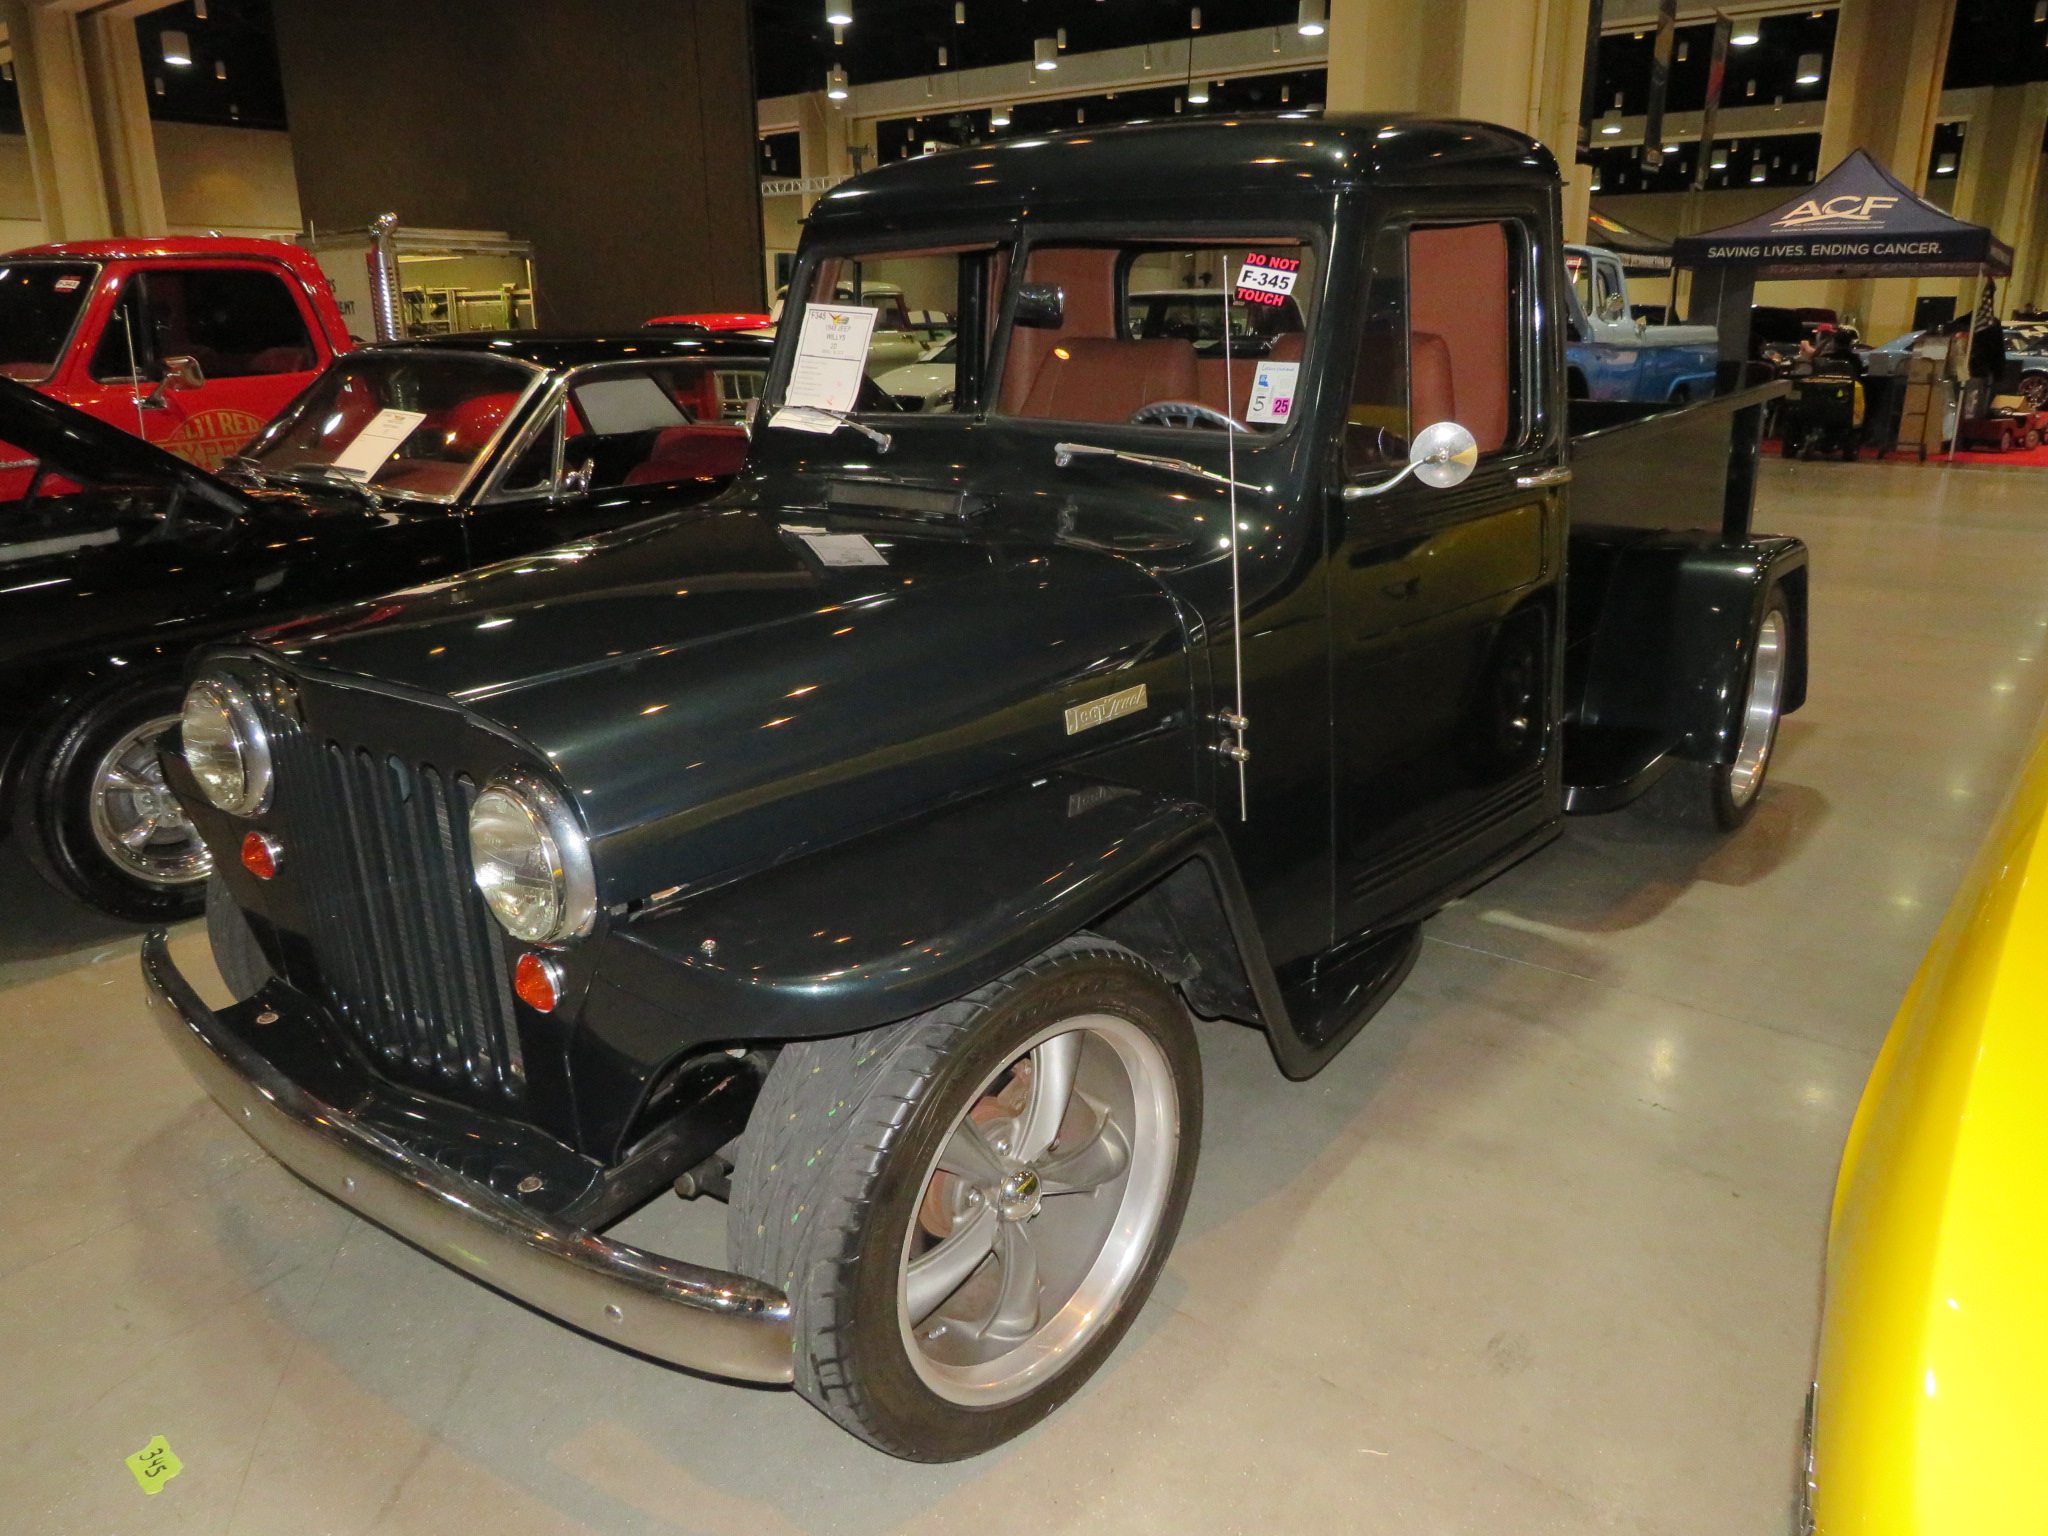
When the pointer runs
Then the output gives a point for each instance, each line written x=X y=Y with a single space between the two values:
x=1756 y=172
x=1045 y=53
x=1809 y=69
x=959 y=13
x=1198 y=93
x=220 y=69
x=1744 y=35
x=1945 y=164
x=177 y=48
x=1311 y=17
x=835 y=83
x=999 y=117
x=1611 y=123
x=839 y=13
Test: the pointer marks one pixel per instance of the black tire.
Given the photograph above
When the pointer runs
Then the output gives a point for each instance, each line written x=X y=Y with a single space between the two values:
x=236 y=954
x=58 y=806
x=1719 y=797
x=837 y=1173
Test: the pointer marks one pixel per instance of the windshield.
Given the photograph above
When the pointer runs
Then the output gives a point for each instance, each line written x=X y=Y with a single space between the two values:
x=407 y=423
x=1180 y=336
x=40 y=303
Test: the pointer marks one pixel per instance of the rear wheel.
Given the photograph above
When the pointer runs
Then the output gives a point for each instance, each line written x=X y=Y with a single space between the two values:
x=1722 y=796
x=967 y=1209
x=102 y=823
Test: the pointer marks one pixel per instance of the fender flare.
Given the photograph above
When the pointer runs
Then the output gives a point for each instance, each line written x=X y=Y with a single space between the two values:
x=908 y=918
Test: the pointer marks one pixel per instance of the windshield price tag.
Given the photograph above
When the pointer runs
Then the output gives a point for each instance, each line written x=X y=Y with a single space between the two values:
x=366 y=454
x=1267 y=279
x=1272 y=397
x=831 y=354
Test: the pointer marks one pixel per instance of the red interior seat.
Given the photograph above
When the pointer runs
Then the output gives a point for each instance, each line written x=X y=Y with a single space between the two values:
x=705 y=451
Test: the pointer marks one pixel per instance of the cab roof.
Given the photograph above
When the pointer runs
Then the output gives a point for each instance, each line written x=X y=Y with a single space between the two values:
x=146 y=247
x=559 y=351
x=1200 y=162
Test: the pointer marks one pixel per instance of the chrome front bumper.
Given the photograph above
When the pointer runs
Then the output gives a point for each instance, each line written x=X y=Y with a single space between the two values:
x=723 y=1324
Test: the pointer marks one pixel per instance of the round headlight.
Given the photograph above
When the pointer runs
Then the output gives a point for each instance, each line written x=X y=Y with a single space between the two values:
x=532 y=863
x=225 y=745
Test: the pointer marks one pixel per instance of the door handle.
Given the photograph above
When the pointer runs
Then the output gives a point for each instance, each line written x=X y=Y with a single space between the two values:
x=1556 y=475
x=1400 y=589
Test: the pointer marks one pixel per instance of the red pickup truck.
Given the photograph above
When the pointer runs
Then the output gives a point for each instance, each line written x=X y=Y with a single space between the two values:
x=193 y=343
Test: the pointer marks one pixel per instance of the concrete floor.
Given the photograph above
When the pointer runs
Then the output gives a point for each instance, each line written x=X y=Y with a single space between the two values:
x=1540 y=1252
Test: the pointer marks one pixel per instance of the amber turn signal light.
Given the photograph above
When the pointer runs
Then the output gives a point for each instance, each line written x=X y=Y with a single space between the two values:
x=260 y=855
x=538 y=981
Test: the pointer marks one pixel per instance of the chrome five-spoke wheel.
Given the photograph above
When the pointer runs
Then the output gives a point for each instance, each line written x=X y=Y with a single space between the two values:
x=968 y=1208
x=1038 y=1210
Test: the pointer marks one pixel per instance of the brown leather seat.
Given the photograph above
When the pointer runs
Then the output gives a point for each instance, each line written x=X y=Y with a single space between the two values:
x=1209 y=370
x=1093 y=378
x=1432 y=396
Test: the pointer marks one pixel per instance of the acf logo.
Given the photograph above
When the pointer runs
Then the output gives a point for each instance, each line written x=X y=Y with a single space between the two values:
x=206 y=438
x=1849 y=208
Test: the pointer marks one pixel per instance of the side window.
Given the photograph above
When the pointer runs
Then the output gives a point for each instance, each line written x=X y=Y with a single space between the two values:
x=1461 y=329
x=1439 y=341
x=123 y=354
x=660 y=425
x=236 y=322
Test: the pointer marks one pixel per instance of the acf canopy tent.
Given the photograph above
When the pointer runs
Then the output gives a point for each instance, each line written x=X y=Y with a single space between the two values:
x=1857 y=221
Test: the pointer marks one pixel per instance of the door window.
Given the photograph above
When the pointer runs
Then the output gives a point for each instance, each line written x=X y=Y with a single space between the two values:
x=235 y=322
x=661 y=423
x=1442 y=341
x=1179 y=336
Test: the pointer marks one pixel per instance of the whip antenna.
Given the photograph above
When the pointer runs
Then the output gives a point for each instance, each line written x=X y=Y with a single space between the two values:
x=1234 y=719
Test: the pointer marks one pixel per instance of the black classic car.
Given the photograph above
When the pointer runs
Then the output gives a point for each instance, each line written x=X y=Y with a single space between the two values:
x=398 y=466
x=857 y=846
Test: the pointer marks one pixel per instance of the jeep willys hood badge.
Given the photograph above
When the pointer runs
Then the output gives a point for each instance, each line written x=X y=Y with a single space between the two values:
x=1113 y=706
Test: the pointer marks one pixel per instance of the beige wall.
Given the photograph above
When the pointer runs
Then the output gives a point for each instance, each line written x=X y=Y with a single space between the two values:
x=237 y=181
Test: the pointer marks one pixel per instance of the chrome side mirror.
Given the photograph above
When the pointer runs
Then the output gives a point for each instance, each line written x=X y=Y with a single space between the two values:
x=181 y=372
x=1441 y=456
x=576 y=481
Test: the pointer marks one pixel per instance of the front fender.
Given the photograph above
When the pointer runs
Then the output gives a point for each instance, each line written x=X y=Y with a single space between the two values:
x=870 y=931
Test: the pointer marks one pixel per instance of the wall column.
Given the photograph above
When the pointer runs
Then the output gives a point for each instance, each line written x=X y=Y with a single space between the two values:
x=127 y=141
x=1512 y=62
x=86 y=116
x=1884 y=90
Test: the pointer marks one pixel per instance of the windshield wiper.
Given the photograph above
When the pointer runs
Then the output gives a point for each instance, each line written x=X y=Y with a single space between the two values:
x=330 y=475
x=1064 y=454
x=812 y=418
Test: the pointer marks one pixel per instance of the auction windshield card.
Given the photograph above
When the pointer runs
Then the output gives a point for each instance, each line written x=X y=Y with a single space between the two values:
x=831 y=352
x=1267 y=280
x=378 y=441
x=1272 y=397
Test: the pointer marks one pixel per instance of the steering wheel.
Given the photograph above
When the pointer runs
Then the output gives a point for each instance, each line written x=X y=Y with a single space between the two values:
x=1184 y=413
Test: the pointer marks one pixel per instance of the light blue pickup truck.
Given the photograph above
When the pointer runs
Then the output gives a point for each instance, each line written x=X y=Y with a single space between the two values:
x=1611 y=355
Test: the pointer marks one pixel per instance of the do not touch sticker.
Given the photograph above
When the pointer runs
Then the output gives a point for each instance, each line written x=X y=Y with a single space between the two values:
x=1267 y=280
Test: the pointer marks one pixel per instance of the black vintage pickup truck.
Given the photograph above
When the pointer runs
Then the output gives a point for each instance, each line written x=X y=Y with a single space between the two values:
x=857 y=846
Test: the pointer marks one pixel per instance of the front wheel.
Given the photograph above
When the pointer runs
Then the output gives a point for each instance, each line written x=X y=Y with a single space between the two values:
x=968 y=1209
x=101 y=822
x=1722 y=796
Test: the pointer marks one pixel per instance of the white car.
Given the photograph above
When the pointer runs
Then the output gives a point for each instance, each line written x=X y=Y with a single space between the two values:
x=927 y=384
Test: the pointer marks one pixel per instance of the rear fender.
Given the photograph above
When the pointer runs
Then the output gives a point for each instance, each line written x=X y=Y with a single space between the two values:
x=1721 y=591
x=905 y=919
x=1670 y=620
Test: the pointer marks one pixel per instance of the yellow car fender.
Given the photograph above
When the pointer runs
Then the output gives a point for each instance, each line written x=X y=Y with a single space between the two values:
x=1931 y=1397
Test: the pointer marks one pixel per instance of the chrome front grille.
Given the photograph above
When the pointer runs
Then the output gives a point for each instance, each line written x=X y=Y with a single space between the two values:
x=407 y=953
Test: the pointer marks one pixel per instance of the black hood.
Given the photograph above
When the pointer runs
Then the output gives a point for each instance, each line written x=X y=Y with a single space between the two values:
x=708 y=689
x=90 y=449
